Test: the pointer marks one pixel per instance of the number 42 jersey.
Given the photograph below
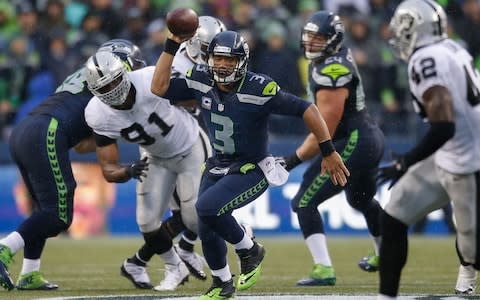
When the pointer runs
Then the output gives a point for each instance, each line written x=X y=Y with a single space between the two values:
x=448 y=64
x=160 y=128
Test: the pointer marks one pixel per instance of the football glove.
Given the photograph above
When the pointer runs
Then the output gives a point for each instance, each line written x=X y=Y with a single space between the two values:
x=393 y=171
x=288 y=162
x=137 y=169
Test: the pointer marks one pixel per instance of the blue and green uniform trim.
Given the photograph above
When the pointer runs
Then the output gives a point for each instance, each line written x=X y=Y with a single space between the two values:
x=56 y=171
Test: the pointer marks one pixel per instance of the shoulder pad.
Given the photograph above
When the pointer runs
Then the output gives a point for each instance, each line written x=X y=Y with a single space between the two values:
x=334 y=70
x=259 y=85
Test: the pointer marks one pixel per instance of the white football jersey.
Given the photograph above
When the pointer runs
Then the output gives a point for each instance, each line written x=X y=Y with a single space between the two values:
x=448 y=64
x=181 y=63
x=160 y=128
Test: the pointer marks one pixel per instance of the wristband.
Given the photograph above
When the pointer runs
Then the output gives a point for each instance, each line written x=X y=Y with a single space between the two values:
x=327 y=148
x=171 y=47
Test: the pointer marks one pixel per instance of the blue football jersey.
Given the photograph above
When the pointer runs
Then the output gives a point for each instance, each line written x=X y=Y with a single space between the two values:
x=237 y=120
x=67 y=105
x=340 y=70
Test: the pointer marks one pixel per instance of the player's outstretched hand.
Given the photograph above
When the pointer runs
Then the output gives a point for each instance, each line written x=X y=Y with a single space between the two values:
x=138 y=169
x=392 y=171
x=333 y=165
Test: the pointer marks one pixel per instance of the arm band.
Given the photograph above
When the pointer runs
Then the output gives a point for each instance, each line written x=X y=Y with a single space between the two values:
x=171 y=47
x=438 y=134
x=327 y=148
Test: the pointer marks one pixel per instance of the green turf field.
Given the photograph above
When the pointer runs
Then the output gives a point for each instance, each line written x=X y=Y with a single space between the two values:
x=91 y=268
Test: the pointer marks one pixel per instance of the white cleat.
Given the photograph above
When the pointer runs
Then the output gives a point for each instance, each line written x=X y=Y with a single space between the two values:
x=175 y=275
x=193 y=261
x=466 y=281
x=136 y=274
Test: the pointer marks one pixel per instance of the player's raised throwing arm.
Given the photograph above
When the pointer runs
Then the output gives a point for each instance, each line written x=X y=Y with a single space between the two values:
x=163 y=67
x=332 y=162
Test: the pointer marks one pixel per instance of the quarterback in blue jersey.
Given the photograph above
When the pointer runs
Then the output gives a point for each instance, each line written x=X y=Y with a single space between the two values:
x=40 y=146
x=336 y=87
x=235 y=106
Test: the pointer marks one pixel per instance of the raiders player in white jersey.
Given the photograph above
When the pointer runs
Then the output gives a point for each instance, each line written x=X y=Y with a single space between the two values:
x=444 y=166
x=170 y=147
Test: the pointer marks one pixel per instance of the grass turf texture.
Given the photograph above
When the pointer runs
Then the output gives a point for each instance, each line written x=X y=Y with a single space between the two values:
x=92 y=268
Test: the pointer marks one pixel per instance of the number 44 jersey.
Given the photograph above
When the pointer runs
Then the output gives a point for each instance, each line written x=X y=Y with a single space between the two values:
x=448 y=64
x=160 y=128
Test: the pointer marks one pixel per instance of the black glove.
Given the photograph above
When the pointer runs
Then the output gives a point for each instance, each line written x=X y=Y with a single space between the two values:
x=137 y=169
x=288 y=162
x=393 y=171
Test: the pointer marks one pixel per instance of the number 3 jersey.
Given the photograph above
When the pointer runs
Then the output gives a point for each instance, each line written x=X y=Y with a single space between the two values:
x=448 y=64
x=237 y=120
x=160 y=128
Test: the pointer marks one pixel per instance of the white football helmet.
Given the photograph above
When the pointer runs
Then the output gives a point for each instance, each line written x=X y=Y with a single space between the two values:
x=107 y=79
x=417 y=23
x=197 y=46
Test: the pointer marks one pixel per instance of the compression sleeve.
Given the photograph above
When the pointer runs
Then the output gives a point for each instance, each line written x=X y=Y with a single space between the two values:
x=438 y=134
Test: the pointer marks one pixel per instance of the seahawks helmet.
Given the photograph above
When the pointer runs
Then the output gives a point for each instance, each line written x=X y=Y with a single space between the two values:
x=197 y=46
x=128 y=52
x=107 y=79
x=417 y=23
x=326 y=24
x=231 y=44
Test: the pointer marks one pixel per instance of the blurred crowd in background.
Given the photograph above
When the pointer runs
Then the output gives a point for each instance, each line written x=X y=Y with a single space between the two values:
x=43 y=41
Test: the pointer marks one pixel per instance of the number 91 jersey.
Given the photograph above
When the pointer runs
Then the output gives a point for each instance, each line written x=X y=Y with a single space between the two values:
x=448 y=64
x=160 y=128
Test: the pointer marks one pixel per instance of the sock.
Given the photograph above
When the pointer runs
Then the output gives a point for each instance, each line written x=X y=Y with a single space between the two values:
x=171 y=257
x=135 y=259
x=223 y=273
x=14 y=241
x=30 y=265
x=317 y=245
x=245 y=243
x=186 y=242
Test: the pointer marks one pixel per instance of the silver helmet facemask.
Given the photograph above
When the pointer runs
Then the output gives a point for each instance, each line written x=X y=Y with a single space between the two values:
x=103 y=69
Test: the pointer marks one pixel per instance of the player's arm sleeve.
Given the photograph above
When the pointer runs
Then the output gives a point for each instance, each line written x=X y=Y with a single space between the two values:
x=179 y=91
x=284 y=103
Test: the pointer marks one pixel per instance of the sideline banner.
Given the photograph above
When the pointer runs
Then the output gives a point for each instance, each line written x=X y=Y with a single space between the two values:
x=270 y=214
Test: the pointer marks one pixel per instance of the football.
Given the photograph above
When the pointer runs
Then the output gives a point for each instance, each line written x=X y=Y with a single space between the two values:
x=182 y=21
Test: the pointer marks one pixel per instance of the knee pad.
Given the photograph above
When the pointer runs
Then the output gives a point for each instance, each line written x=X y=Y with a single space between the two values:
x=159 y=240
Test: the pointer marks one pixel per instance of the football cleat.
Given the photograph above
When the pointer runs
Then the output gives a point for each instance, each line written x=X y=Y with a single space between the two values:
x=369 y=263
x=219 y=290
x=193 y=261
x=466 y=280
x=136 y=274
x=34 y=281
x=250 y=265
x=175 y=275
x=6 y=258
x=320 y=276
